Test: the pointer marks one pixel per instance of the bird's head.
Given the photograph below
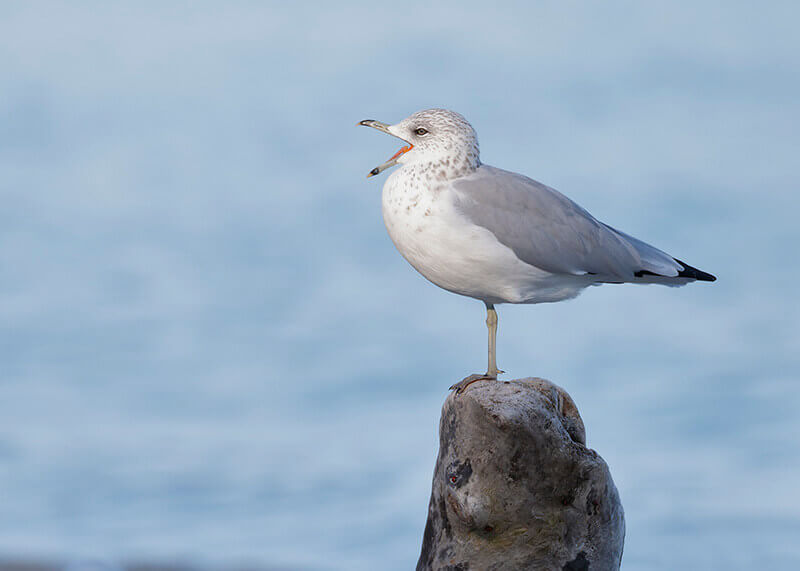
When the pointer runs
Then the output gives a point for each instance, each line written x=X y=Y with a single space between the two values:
x=436 y=136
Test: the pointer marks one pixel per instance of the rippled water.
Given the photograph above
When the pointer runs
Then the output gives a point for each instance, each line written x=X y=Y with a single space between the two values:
x=212 y=354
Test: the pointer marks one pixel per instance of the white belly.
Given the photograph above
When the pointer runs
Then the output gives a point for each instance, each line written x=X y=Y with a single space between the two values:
x=460 y=256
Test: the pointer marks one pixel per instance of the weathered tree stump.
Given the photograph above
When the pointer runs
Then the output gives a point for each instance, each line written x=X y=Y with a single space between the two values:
x=515 y=486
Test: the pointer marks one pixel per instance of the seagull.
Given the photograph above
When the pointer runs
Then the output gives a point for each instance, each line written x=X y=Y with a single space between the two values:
x=498 y=236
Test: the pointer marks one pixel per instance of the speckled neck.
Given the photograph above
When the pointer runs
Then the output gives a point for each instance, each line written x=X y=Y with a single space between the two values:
x=446 y=168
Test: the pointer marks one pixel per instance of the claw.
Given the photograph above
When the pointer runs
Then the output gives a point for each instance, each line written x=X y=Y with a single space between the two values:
x=462 y=385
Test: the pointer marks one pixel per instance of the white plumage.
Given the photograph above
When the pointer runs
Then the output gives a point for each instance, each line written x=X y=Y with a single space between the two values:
x=499 y=236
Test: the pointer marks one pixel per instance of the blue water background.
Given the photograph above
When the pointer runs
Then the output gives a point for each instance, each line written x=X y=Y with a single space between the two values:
x=211 y=352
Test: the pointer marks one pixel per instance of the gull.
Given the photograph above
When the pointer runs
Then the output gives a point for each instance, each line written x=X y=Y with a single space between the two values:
x=498 y=236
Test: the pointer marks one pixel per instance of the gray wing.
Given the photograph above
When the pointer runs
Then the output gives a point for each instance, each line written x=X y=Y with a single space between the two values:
x=546 y=229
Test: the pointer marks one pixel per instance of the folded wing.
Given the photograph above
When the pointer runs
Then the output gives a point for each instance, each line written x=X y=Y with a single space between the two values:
x=546 y=229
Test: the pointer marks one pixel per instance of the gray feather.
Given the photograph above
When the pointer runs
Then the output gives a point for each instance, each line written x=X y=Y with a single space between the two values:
x=546 y=229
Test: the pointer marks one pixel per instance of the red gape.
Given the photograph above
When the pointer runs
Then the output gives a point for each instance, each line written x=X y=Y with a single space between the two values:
x=401 y=151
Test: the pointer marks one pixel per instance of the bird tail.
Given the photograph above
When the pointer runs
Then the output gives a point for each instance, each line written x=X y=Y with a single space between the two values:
x=661 y=268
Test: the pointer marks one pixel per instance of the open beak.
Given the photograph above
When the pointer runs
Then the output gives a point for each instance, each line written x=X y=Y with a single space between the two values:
x=393 y=160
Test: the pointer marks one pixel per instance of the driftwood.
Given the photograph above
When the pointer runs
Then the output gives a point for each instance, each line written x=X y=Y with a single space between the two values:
x=515 y=486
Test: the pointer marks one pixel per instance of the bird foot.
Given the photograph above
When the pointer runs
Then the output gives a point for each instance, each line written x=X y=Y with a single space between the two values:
x=462 y=385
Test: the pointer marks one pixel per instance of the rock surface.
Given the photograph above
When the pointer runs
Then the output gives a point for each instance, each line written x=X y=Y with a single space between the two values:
x=515 y=486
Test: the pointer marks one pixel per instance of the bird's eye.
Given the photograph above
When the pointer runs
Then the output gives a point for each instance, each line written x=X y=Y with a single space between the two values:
x=420 y=131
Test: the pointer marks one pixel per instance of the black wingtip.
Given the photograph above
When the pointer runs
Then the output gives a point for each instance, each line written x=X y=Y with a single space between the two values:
x=687 y=272
x=690 y=272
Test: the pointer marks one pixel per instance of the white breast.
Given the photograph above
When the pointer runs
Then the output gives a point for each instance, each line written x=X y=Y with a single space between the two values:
x=455 y=254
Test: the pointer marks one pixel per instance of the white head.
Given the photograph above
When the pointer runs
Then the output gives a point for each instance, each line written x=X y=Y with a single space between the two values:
x=440 y=138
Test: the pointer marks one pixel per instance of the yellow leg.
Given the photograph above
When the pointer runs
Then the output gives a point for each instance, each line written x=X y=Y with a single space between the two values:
x=491 y=324
x=492 y=371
